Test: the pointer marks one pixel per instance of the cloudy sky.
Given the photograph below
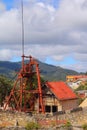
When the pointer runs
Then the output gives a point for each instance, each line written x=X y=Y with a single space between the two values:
x=55 y=31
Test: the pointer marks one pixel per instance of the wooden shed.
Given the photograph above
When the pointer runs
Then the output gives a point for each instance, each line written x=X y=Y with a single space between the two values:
x=58 y=97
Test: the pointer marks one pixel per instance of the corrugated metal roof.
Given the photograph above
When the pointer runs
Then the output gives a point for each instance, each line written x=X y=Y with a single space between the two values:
x=61 y=90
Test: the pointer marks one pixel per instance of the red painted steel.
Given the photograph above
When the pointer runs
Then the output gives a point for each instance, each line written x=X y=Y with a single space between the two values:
x=27 y=88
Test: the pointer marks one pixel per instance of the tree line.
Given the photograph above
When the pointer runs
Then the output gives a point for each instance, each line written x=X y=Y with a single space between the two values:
x=5 y=87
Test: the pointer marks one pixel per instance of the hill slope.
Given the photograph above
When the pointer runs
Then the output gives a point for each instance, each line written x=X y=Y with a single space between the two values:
x=48 y=72
x=54 y=73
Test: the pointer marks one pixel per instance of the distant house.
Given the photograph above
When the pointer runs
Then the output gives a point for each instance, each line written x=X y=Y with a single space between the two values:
x=74 y=81
x=73 y=78
x=82 y=93
x=74 y=85
x=58 y=97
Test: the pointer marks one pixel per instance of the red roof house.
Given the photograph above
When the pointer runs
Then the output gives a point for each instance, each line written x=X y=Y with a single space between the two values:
x=61 y=90
x=59 y=97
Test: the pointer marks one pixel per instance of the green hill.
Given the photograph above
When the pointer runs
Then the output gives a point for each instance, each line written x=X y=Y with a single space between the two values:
x=54 y=73
x=48 y=72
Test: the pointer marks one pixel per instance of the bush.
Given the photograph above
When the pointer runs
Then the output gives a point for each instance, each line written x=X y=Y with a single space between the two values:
x=68 y=126
x=32 y=125
x=84 y=126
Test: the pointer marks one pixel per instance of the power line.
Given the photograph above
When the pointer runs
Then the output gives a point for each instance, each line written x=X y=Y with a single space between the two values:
x=22 y=16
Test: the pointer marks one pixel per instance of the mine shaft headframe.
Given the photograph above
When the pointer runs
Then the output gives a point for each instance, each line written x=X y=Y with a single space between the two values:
x=30 y=59
x=19 y=95
x=29 y=69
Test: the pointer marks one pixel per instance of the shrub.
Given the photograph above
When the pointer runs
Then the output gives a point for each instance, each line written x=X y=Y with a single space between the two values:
x=84 y=126
x=32 y=125
x=68 y=125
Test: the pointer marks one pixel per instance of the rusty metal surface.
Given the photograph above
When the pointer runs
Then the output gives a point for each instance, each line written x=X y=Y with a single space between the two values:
x=25 y=92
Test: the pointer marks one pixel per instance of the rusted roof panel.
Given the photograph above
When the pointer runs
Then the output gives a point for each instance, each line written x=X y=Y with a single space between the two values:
x=61 y=90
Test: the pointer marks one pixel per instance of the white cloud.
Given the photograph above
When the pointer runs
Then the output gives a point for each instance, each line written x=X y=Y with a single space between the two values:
x=5 y=54
x=49 y=32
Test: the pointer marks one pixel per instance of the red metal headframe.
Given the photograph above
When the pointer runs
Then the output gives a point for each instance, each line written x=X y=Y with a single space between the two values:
x=26 y=95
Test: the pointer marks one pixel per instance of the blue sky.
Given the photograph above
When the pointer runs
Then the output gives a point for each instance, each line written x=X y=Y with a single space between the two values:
x=66 y=61
x=9 y=3
x=55 y=32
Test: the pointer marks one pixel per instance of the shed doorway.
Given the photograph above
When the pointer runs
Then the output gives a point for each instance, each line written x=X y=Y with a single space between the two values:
x=51 y=109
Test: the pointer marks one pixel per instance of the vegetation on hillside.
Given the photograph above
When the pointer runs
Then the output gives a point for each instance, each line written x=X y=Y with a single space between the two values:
x=82 y=87
x=48 y=72
x=5 y=87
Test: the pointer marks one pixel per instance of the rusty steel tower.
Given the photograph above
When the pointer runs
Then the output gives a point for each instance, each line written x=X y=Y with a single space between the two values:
x=26 y=94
